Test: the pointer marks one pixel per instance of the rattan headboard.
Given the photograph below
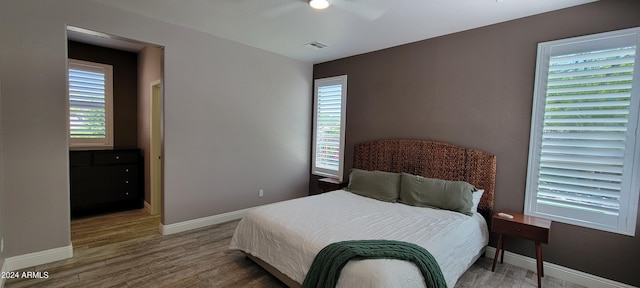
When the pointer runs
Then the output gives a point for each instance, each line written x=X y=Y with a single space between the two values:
x=433 y=160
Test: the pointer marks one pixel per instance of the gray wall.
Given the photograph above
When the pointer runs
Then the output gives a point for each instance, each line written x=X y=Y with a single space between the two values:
x=236 y=119
x=475 y=89
x=2 y=209
x=36 y=177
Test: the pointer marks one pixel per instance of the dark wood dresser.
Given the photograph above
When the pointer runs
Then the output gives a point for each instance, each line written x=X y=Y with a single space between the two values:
x=105 y=180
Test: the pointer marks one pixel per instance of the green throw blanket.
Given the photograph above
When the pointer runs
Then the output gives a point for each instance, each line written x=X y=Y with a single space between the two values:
x=326 y=267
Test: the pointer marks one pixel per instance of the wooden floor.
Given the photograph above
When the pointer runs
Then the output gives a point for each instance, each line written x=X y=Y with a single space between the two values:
x=126 y=250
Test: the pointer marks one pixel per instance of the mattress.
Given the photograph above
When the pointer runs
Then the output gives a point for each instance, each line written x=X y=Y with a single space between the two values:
x=287 y=235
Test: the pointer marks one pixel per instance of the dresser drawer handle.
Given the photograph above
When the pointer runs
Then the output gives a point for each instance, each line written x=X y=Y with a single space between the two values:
x=126 y=193
x=126 y=170
x=127 y=181
x=117 y=157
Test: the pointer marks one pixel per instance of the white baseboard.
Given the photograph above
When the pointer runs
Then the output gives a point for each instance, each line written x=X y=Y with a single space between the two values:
x=202 y=222
x=557 y=271
x=37 y=258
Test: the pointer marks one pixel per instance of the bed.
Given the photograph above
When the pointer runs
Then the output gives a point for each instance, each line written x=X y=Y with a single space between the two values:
x=284 y=237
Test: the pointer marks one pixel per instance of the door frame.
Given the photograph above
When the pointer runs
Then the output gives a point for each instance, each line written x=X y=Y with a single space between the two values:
x=156 y=147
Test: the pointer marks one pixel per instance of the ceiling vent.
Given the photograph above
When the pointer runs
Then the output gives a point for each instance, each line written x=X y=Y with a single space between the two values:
x=316 y=45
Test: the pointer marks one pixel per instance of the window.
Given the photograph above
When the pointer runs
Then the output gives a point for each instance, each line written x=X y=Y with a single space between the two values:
x=584 y=153
x=90 y=105
x=328 y=126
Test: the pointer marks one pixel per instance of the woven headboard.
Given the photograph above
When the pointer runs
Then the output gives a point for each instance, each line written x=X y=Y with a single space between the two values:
x=433 y=160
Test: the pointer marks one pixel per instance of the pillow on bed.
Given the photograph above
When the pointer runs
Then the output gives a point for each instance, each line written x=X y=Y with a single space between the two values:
x=429 y=192
x=477 y=196
x=383 y=186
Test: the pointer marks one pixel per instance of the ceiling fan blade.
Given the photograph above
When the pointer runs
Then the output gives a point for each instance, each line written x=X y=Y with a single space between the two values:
x=364 y=10
x=282 y=9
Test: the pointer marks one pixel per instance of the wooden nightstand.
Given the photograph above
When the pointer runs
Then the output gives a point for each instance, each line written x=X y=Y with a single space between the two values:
x=331 y=184
x=525 y=227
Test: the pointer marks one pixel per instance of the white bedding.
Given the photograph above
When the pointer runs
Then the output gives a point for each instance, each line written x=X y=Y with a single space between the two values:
x=289 y=234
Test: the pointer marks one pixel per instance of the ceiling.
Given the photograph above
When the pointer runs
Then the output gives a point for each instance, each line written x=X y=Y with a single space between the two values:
x=347 y=27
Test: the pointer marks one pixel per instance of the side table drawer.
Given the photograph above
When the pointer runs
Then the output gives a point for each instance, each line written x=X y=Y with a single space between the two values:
x=331 y=184
x=510 y=228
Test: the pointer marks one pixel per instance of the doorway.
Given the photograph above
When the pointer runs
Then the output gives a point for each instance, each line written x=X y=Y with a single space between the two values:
x=144 y=107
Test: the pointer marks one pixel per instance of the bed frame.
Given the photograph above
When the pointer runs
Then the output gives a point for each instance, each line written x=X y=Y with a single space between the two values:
x=425 y=158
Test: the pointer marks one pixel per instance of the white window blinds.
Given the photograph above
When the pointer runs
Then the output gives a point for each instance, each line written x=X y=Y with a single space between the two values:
x=90 y=105
x=329 y=116
x=583 y=143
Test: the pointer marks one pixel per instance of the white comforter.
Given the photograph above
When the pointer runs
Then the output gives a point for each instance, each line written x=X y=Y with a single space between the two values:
x=289 y=234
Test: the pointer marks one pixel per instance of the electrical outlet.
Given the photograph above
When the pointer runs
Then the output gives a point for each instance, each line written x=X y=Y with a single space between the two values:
x=261 y=193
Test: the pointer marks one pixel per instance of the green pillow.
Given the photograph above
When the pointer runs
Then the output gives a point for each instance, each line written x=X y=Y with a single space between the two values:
x=436 y=193
x=383 y=186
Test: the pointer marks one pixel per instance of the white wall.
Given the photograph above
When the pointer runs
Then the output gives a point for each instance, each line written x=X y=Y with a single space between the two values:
x=237 y=119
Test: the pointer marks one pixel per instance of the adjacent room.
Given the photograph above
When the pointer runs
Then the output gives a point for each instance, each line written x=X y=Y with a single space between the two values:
x=239 y=118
